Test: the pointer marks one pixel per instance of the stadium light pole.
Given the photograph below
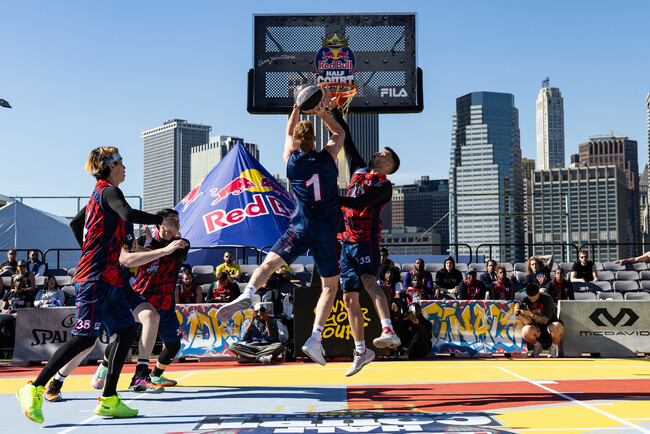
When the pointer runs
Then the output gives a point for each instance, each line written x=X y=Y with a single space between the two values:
x=4 y=103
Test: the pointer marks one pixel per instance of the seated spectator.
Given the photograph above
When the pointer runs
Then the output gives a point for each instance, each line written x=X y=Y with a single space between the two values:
x=471 y=288
x=389 y=277
x=384 y=261
x=260 y=338
x=223 y=290
x=502 y=288
x=281 y=276
x=36 y=266
x=559 y=288
x=417 y=291
x=9 y=268
x=188 y=291
x=490 y=275
x=16 y=297
x=229 y=266
x=29 y=279
x=427 y=278
x=51 y=295
x=539 y=273
x=448 y=279
x=415 y=332
x=542 y=329
x=583 y=270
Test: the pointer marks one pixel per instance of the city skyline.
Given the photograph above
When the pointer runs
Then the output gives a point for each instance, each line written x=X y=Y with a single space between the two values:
x=71 y=71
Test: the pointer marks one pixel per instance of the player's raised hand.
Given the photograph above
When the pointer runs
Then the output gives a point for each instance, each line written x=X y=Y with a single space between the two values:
x=328 y=99
x=319 y=109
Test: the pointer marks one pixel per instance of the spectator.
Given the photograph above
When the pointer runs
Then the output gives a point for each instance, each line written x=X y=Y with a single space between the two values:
x=260 y=338
x=502 y=288
x=539 y=273
x=490 y=275
x=417 y=291
x=223 y=290
x=559 y=288
x=427 y=278
x=542 y=329
x=35 y=265
x=389 y=277
x=448 y=279
x=281 y=276
x=642 y=258
x=583 y=270
x=472 y=288
x=51 y=295
x=384 y=261
x=16 y=297
x=188 y=291
x=9 y=268
x=233 y=269
x=415 y=332
x=29 y=279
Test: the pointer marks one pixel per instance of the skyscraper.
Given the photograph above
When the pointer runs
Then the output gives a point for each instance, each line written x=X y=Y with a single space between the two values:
x=550 y=128
x=207 y=155
x=166 y=169
x=485 y=177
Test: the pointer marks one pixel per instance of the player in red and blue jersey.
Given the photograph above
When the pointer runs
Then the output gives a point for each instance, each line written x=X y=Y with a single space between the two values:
x=367 y=194
x=96 y=285
x=314 y=222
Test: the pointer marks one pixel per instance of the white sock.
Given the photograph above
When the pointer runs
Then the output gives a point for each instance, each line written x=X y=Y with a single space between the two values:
x=316 y=332
x=249 y=291
x=386 y=322
x=360 y=346
x=59 y=377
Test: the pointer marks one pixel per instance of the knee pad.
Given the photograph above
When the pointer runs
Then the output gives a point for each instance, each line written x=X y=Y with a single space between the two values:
x=169 y=352
x=128 y=334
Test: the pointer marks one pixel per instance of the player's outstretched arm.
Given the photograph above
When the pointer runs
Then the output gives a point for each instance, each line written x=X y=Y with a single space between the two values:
x=378 y=193
x=337 y=134
x=642 y=258
x=143 y=256
x=354 y=159
x=289 y=144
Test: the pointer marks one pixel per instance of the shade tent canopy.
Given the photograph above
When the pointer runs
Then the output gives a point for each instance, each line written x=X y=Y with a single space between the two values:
x=24 y=227
x=237 y=203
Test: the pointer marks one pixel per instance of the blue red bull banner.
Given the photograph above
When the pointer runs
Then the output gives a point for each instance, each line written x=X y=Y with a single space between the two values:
x=474 y=328
x=237 y=203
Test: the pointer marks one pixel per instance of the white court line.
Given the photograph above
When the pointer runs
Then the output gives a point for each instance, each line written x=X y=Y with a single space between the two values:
x=575 y=401
x=90 y=419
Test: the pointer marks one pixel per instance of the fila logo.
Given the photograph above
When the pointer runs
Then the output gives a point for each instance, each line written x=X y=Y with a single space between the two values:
x=393 y=92
x=598 y=315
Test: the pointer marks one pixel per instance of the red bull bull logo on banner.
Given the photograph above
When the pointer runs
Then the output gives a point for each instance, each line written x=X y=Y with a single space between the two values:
x=191 y=196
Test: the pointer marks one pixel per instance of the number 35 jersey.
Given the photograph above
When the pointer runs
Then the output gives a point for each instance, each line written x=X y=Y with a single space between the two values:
x=313 y=178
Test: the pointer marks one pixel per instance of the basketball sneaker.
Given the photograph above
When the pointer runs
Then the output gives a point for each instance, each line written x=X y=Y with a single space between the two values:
x=388 y=339
x=100 y=376
x=553 y=351
x=225 y=312
x=141 y=382
x=537 y=349
x=31 y=401
x=267 y=358
x=162 y=381
x=360 y=360
x=314 y=350
x=112 y=406
x=53 y=393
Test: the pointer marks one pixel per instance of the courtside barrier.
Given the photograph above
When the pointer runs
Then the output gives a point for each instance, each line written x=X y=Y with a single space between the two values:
x=605 y=327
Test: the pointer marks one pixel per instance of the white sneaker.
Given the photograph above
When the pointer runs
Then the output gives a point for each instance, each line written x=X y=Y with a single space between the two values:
x=100 y=376
x=360 y=360
x=553 y=351
x=537 y=349
x=388 y=339
x=225 y=312
x=314 y=350
x=268 y=358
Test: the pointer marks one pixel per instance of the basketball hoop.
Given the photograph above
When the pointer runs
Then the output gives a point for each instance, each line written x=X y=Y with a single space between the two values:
x=342 y=94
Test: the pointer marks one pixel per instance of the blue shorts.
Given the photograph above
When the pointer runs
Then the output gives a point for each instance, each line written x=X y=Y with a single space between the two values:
x=134 y=298
x=358 y=259
x=323 y=249
x=169 y=329
x=99 y=303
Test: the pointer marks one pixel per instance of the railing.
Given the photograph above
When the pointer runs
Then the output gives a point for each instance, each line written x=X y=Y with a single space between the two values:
x=424 y=245
x=592 y=249
x=530 y=246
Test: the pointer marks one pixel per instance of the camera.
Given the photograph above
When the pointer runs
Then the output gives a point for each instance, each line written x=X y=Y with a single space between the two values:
x=413 y=309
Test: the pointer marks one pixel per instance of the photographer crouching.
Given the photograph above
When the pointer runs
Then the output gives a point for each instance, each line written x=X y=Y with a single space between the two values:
x=261 y=342
x=415 y=332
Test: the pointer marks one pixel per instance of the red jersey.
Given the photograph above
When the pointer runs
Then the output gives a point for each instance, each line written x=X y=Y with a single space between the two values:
x=187 y=294
x=502 y=292
x=231 y=290
x=156 y=281
x=103 y=241
x=362 y=224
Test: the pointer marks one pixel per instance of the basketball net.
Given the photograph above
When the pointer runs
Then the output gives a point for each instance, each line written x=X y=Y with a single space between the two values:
x=342 y=94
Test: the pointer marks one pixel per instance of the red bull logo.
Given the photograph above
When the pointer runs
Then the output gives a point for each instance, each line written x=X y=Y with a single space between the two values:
x=268 y=183
x=221 y=218
x=236 y=186
x=191 y=196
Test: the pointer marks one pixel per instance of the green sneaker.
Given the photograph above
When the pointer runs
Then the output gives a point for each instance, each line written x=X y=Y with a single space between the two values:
x=112 y=406
x=162 y=381
x=31 y=401
x=100 y=376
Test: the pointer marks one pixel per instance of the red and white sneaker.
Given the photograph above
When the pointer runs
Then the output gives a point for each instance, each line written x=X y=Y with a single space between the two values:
x=388 y=339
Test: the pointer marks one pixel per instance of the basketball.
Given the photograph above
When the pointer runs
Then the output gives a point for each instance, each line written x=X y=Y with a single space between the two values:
x=307 y=97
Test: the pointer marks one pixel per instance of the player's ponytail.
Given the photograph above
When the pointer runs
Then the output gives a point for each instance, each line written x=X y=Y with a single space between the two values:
x=99 y=160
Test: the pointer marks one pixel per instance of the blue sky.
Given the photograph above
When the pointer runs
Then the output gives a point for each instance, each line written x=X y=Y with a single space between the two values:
x=84 y=74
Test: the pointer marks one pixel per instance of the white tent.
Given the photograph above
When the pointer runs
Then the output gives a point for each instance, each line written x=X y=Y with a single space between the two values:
x=24 y=227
